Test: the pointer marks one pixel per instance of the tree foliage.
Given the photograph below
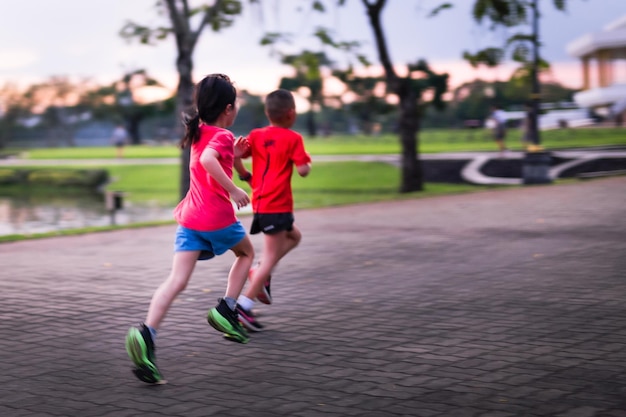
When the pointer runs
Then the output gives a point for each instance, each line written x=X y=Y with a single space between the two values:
x=185 y=24
x=409 y=90
x=307 y=66
x=508 y=14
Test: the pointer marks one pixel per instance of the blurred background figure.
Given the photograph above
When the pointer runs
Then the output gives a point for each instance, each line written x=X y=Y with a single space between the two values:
x=617 y=112
x=498 y=116
x=119 y=139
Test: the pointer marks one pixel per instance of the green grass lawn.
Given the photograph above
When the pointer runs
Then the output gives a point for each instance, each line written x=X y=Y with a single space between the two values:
x=330 y=184
x=431 y=141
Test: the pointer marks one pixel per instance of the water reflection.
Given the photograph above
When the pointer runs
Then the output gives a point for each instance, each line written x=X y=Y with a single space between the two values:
x=26 y=214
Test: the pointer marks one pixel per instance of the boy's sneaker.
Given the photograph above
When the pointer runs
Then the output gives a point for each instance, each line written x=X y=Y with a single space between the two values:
x=264 y=296
x=248 y=320
x=140 y=349
x=225 y=320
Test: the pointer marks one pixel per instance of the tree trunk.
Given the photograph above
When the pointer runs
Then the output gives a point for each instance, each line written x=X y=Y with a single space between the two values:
x=408 y=127
x=184 y=100
x=310 y=124
x=133 y=121
x=409 y=116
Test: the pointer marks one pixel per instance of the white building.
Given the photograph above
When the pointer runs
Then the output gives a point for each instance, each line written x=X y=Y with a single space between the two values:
x=603 y=58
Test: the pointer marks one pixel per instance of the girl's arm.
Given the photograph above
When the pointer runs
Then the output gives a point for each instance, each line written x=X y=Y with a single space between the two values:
x=209 y=160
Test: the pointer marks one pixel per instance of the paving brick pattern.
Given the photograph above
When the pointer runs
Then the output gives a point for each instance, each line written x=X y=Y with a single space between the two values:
x=499 y=303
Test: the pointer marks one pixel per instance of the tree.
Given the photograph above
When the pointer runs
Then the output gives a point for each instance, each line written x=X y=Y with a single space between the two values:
x=409 y=91
x=59 y=104
x=126 y=103
x=12 y=108
x=366 y=104
x=524 y=47
x=308 y=75
x=309 y=65
x=469 y=99
x=218 y=16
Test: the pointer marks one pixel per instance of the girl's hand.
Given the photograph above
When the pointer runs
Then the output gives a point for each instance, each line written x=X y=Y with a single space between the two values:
x=242 y=147
x=240 y=197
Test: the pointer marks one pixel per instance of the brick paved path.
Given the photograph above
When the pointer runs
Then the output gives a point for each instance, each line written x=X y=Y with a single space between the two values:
x=499 y=303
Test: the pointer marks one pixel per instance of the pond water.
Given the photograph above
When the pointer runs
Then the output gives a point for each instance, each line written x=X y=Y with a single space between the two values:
x=31 y=214
x=34 y=214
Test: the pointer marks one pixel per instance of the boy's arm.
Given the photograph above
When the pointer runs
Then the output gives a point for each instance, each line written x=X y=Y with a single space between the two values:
x=301 y=158
x=242 y=150
x=244 y=174
x=303 y=170
x=209 y=160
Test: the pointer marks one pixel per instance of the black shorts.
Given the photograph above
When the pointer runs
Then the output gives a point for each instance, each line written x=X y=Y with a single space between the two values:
x=271 y=223
x=499 y=132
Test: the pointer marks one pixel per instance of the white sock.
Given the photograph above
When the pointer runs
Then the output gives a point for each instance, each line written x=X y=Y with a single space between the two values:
x=245 y=302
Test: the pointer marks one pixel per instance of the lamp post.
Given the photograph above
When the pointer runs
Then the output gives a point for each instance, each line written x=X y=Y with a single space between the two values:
x=535 y=94
x=536 y=164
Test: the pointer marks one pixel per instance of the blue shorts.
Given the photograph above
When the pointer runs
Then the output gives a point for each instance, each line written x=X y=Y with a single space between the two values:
x=211 y=243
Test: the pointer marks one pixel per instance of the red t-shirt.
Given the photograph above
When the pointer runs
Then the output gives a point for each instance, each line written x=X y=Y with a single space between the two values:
x=207 y=205
x=275 y=150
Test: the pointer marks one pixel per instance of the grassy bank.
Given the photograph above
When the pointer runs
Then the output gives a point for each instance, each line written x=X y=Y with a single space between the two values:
x=330 y=184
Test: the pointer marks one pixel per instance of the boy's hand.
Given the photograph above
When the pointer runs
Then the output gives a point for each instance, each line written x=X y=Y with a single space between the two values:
x=242 y=147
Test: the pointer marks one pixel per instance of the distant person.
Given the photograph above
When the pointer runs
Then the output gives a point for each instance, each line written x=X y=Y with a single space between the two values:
x=119 y=138
x=207 y=225
x=618 y=109
x=525 y=138
x=498 y=116
x=275 y=150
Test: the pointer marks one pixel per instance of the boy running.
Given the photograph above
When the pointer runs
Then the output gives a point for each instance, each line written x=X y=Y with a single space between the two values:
x=275 y=150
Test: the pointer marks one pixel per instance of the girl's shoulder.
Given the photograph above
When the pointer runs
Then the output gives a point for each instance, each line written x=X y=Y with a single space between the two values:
x=209 y=132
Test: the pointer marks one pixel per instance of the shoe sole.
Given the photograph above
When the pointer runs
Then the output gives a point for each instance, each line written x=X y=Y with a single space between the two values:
x=245 y=323
x=222 y=325
x=137 y=350
x=264 y=297
x=145 y=375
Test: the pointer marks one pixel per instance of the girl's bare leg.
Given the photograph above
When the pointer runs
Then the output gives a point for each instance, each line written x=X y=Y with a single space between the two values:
x=244 y=251
x=183 y=265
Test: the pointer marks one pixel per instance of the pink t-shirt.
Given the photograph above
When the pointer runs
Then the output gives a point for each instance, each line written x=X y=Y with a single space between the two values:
x=207 y=205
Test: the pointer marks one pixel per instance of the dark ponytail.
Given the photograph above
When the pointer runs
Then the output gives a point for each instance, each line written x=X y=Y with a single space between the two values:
x=211 y=96
x=192 y=129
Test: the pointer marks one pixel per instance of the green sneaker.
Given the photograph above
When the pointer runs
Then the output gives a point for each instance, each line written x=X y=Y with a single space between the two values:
x=225 y=320
x=140 y=349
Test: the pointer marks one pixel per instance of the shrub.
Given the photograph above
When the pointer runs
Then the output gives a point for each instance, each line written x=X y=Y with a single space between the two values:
x=90 y=178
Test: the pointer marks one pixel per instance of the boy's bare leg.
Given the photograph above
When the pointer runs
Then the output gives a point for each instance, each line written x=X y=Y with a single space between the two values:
x=183 y=265
x=276 y=246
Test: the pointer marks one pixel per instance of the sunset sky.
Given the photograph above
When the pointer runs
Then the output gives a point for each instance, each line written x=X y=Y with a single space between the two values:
x=41 y=38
